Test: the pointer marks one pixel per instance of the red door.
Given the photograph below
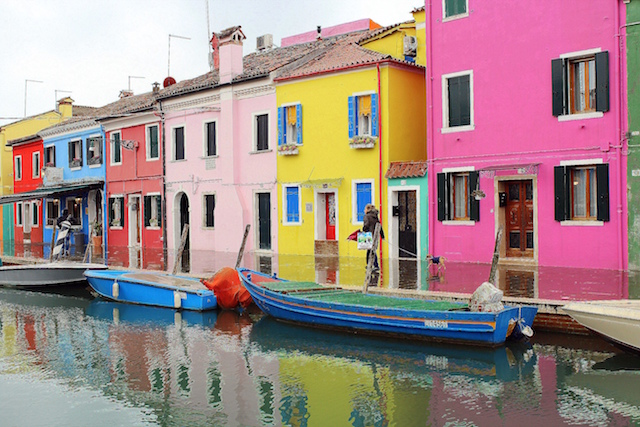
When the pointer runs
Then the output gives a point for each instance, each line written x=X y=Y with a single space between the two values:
x=330 y=215
x=519 y=217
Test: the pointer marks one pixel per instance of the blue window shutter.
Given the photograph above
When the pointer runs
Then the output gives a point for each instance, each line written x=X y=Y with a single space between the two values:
x=299 y=122
x=363 y=198
x=293 y=214
x=352 y=116
x=280 y=125
x=374 y=114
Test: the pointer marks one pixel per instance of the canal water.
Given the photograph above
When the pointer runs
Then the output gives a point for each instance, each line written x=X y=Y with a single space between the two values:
x=67 y=359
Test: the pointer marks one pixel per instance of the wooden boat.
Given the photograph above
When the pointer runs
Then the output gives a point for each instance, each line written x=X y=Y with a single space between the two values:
x=37 y=276
x=152 y=288
x=617 y=321
x=334 y=307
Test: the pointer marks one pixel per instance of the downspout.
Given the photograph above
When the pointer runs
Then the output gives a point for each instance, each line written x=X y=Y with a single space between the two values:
x=164 y=190
x=622 y=250
x=430 y=143
x=380 y=154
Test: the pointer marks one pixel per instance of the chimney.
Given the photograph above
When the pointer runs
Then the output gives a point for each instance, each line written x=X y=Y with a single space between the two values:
x=125 y=93
x=319 y=35
x=214 y=60
x=65 y=107
x=230 y=54
x=156 y=87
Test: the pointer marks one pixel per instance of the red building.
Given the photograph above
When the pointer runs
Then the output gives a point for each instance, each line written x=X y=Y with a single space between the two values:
x=27 y=176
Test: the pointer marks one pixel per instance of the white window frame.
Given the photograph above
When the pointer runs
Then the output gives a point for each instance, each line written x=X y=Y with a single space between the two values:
x=287 y=133
x=173 y=142
x=205 y=135
x=254 y=121
x=285 y=222
x=446 y=18
x=35 y=171
x=47 y=217
x=35 y=215
x=354 y=198
x=572 y=56
x=458 y=170
x=52 y=148
x=571 y=164
x=445 y=103
x=204 y=209
x=154 y=207
x=17 y=167
x=121 y=226
x=76 y=142
x=148 y=142
x=112 y=155
x=19 y=215
x=96 y=165
x=357 y=95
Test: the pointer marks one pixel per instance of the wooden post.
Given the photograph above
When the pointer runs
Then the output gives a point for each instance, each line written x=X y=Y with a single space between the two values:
x=244 y=240
x=496 y=256
x=374 y=248
x=89 y=247
x=183 y=242
x=53 y=240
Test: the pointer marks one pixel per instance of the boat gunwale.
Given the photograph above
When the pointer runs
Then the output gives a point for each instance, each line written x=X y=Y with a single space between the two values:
x=117 y=276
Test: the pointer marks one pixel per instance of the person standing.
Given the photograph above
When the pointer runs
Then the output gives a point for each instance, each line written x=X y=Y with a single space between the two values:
x=369 y=225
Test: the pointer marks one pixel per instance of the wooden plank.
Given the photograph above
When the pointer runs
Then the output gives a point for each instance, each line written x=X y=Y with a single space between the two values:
x=374 y=248
x=244 y=241
x=496 y=256
x=183 y=242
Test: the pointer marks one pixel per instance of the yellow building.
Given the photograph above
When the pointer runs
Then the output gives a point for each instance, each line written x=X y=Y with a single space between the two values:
x=343 y=116
x=22 y=128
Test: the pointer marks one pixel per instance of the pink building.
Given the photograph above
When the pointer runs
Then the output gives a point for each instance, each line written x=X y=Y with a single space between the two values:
x=525 y=130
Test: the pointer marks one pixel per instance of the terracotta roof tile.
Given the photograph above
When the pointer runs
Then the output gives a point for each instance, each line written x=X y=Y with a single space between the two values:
x=406 y=170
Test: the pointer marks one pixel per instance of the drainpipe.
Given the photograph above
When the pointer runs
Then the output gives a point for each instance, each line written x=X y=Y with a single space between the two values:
x=622 y=250
x=380 y=152
x=164 y=190
x=430 y=131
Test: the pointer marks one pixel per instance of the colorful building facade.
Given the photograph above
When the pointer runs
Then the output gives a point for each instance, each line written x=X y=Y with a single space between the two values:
x=527 y=137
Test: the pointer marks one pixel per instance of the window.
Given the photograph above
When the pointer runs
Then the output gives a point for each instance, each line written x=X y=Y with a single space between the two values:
x=454 y=8
x=210 y=139
x=290 y=124
x=75 y=154
x=580 y=84
x=582 y=192
x=457 y=98
x=35 y=217
x=35 y=165
x=75 y=209
x=261 y=132
x=18 y=168
x=116 y=211
x=362 y=196
x=53 y=212
x=456 y=201
x=19 y=214
x=152 y=210
x=178 y=143
x=153 y=152
x=292 y=205
x=94 y=150
x=209 y=207
x=116 y=148
x=363 y=115
x=50 y=156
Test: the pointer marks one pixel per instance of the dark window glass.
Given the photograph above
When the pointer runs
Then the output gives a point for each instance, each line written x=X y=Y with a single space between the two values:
x=210 y=202
x=262 y=127
x=211 y=139
x=178 y=140
x=459 y=101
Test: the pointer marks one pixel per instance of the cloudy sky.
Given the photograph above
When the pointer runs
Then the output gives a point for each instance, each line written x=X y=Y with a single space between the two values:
x=91 y=47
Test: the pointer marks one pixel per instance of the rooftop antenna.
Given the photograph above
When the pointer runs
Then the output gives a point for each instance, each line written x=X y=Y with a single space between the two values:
x=55 y=92
x=169 y=53
x=206 y=2
x=25 y=93
x=133 y=77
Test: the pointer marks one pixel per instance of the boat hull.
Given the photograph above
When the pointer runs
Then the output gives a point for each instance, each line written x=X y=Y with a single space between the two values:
x=45 y=275
x=617 y=321
x=156 y=289
x=451 y=326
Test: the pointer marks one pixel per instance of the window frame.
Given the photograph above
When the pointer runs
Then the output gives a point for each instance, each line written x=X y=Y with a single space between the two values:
x=285 y=203
x=51 y=148
x=17 y=167
x=148 y=156
x=446 y=128
x=254 y=119
x=157 y=207
x=112 y=142
x=354 y=116
x=19 y=215
x=563 y=193
x=205 y=212
x=446 y=18
x=445 y=193
x=48 y=212
x=174 y=151
x=354 y=199
x=35 y=169
x=122 y=212
x=75 y=145
x=35 y=214
x=91 y=161
x=205 y=138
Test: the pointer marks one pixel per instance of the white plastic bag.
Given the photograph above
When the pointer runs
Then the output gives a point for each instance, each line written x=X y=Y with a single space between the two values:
x=365 y=240
x=486 y=298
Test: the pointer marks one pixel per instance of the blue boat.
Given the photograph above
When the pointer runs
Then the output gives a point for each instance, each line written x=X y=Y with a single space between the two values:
x=337 y=308
x=152 y=288
x=141 y=315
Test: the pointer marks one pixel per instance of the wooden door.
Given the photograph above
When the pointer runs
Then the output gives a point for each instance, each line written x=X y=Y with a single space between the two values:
x=264 y=220
x=330 y=215
x=519 y=218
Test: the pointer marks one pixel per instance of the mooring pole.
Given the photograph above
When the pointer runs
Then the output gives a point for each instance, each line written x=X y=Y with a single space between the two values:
x=53 y=240
x=183 y=242
x=496 y=256
x=374 y=248
x=244 y=240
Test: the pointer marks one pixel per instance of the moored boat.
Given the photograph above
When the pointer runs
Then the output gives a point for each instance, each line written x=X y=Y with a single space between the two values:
x=617 y=321
x=152 y=288
x=37 y=276
x=335 y=307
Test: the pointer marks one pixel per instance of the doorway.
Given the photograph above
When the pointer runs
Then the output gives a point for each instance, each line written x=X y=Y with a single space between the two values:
x=263 y=201
x=407 y=224
x=185 y=260
x=135 y=232
x=519 y=218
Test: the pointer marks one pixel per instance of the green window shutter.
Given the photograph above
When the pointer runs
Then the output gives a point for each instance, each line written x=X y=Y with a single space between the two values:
x=210 y=201
x=560 y=193
x=602 y=183
x=602 y=81
x=110 y=210
x=147 y=211
x=443 y=197
x=474 y=205
x=557 y=86
x=153 y=142
x=159 y=205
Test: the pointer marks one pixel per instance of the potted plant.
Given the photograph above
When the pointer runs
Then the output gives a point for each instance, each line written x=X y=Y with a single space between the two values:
x=96 y=226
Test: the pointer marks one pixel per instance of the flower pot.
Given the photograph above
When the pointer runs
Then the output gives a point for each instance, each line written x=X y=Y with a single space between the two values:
x=97 y=244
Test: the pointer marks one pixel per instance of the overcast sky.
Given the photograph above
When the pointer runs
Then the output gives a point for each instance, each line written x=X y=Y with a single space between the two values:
x=91 y=47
